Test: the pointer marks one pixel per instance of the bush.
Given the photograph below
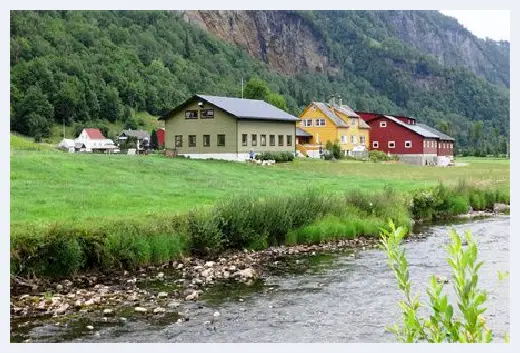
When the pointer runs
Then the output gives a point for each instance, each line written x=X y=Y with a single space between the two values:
x=378 y=156
x=334 y=149
x=279 y=157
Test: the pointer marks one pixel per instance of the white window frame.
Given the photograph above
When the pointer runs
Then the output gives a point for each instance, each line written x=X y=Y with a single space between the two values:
x=343 y=139
x=362 y=140
x=353 y=139
x=375 y=144
x=409 y=142
x=382 y=124
x=320 y=122
x=391 y=142
x=307 y=122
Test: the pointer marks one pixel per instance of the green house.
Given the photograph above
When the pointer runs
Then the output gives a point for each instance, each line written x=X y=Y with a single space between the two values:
x=228 y=128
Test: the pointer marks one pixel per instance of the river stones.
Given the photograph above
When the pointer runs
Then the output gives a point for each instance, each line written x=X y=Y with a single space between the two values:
x=246 y=273
x=139 y=309
x=216 y=314
x=108 y=312
x=193 y=296
x=209 y=264
x=159 y=310
x=90 y=327
x=162 y=295
x=160 y=275
x=174 y=304
x=61 y=309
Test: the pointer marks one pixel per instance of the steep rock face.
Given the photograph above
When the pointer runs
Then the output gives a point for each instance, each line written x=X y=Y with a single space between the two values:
x=281 y=39
x=452 y=44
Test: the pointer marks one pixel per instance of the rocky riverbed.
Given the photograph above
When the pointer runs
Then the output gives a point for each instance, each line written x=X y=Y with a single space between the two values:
x=152 y=291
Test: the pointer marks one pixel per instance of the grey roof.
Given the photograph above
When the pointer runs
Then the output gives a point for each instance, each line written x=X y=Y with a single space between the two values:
x=441 y=135
x=345 y=109
x=140 y=134
x=416 y=128
x=249 y=108
x=302 y=133
x=330 y=114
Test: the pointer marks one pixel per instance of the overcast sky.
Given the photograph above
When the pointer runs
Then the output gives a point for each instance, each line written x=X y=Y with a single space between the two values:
x=493 y=24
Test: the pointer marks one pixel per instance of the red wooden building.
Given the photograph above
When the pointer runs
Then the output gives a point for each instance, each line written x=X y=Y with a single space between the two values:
x=401 y=135
x=160 y=137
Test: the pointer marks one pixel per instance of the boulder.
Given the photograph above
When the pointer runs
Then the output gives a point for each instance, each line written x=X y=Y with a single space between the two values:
x=209 y=264
x=162 y=295
x=108 y=312
x=159 y=310
x=500 y=207
x=246 y=273
x=140 y=309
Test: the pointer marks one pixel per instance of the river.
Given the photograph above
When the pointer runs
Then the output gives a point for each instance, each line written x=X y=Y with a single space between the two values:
x=346 y=297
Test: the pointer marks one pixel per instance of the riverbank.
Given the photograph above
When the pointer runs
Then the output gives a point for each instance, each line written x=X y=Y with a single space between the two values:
x=157 y=296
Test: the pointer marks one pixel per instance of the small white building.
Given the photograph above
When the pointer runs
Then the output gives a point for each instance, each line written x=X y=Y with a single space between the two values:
x=67 y=145
x=93 y=140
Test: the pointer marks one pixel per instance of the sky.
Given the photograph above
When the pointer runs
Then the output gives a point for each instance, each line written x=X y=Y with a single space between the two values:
x=493 y=24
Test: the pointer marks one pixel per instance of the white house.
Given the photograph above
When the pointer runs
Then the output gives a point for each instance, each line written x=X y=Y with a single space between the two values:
x=93 y=139
x=68 y=145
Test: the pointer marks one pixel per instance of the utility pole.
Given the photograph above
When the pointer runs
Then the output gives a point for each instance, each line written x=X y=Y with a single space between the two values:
x=63 y=127
x=242 y=87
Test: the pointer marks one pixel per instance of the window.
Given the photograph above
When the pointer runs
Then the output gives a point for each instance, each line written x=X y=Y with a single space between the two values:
x=353 y=139
x=391 y=144
x=289 y=140
x=353 y=121
x=253 y=140
x=343 y=139
x=192 y=141
x=362 y=140
x=178 y=140
x=375 y=144
x=244 y=139
x=262 y=140
x=205 y=140
x=382 y=124
x=307 y=122
x=221 y=140
x=424 y=143
x=191 y=114
x=320 y=122
x=407 y=144
x=207 y=113
x=280 y=140
x=272 y=140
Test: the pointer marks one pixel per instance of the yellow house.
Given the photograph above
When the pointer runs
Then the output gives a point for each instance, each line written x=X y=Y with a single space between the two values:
x=331 y=122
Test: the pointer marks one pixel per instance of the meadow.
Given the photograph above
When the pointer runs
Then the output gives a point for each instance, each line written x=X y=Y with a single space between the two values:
x=73 y=212
x=49 y=186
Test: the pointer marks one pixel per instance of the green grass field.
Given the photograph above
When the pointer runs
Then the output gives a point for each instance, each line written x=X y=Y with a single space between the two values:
x=50 y=186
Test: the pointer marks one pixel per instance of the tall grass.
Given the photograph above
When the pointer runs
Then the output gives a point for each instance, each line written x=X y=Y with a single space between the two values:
x=307 y=217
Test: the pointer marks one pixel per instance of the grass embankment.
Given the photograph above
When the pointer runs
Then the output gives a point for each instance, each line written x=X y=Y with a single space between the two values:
x=73 y=212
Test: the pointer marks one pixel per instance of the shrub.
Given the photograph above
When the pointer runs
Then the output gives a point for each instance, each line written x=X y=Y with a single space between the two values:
x=206 y=237
x=277 y=156
x=442 y=325
x=334 y=149
x=378 y=156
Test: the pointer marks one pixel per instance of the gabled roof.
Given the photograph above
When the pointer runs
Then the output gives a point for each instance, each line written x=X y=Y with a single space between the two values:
x=330 y=114
x=240 y=108
x=140 y=134
x=415 y=128
x=94 y=134
x=441 y=135
x=345 y=109
x=302 y=133
x=67 y=143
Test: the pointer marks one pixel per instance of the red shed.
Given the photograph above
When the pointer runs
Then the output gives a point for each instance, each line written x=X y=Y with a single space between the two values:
x=160 y=137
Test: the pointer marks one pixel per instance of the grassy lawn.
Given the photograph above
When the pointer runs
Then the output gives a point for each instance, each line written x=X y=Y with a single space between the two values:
x=49 y=186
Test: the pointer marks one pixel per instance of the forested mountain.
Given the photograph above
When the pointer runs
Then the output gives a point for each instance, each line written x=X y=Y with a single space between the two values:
x=89 y=67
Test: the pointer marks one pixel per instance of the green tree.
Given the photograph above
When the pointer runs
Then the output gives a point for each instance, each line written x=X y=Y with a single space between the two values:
x=153 y=140
x=33 y=114
x=256 y=88
x=277 y=100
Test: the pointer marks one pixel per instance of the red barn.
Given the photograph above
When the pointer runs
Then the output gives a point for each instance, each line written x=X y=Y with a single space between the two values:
x=413 y=143
x=160 y=137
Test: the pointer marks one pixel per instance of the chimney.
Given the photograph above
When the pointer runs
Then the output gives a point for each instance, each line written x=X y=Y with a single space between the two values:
x=340 y=101
x=332 y=100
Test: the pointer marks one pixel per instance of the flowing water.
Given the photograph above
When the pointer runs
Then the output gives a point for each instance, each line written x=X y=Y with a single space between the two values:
x=347 y=297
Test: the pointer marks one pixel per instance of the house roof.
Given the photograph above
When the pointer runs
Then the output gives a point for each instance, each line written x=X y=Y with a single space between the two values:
x=67 y=143
x=345 y=109
x=302 y=133
x=415 y=128
x=240 y=108
x=140 y=134
x=441 y=135
x=330 y=114
x=94 y=133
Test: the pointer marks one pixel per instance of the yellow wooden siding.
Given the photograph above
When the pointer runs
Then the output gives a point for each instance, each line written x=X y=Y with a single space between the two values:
x=354 y=130
x=320 y=134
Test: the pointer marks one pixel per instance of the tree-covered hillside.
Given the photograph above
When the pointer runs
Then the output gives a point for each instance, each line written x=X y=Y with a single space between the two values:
x=93 y=67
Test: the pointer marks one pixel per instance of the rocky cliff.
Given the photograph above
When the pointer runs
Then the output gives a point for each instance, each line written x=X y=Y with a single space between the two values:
x=281 y=39
x=452 y=44
x=289 y=42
